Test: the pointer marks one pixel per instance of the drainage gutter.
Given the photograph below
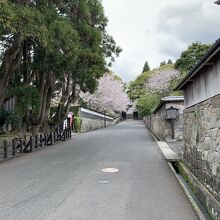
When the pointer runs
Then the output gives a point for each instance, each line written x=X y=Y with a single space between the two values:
x=172 y=158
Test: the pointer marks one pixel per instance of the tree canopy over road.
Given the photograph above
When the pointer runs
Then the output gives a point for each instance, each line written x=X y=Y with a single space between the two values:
x=49 y=47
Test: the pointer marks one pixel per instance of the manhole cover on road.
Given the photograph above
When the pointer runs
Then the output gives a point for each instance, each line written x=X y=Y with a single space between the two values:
x=110 y=170
x=103 y=182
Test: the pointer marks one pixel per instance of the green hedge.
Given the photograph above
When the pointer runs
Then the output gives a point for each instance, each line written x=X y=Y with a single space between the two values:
x=77 y=124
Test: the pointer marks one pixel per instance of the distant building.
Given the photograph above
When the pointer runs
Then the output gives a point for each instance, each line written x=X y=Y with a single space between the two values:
x=166 y=121
x=201 y=89
x=132 y=113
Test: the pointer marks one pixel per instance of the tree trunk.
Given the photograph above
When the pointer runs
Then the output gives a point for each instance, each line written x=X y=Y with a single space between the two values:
x=45 y=116
x=10 y=63
x=68 y=98
x=39 y=122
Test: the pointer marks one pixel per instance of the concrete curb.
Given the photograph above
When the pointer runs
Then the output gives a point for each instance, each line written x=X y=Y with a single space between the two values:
x=189 y=197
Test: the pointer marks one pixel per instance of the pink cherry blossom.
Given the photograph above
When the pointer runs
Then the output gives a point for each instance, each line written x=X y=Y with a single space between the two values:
x=109 y=96
x=160 y=81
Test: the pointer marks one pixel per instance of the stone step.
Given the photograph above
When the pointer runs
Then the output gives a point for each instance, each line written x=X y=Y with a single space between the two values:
x=168 y=153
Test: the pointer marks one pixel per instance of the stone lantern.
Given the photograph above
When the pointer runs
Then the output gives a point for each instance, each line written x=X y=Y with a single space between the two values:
x=171 y=115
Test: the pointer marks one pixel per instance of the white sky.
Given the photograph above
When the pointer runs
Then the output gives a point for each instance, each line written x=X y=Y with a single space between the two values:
x=158 y=30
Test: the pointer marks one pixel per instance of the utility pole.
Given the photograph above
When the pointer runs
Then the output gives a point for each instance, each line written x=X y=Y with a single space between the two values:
x=104 y=120
x=172 y=127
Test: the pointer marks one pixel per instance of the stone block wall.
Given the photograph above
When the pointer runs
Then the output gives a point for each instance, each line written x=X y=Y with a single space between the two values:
x=159 y=125
x=91 y=120
x=162 y=127
x=178 y=127
x=201 y=152
x=92 y=124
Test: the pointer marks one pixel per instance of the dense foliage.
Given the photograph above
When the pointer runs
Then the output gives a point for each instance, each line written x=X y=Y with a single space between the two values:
x=151 y=86
x=137 y=87
x=49 y=48
x=77 y=124
x=147 y=103
x=190 y=57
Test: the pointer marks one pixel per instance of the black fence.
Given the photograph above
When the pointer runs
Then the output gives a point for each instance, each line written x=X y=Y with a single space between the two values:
x=21 y=146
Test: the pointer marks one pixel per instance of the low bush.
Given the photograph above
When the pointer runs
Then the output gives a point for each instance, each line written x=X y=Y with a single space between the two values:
x=77 y=124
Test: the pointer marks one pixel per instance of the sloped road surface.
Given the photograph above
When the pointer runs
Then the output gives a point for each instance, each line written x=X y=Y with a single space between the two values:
x=66 y=182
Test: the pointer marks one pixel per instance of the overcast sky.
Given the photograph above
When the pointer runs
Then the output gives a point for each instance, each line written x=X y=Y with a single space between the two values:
x=157 y=30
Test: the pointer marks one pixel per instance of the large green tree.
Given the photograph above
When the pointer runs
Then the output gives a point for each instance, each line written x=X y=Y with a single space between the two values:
x=137 y=88
x=163 y=63
x=147 y=103
x=191 y=56
x=18 y=22
x=97 y=49
x=51 y=49
x=146 y=67
x=169 y=61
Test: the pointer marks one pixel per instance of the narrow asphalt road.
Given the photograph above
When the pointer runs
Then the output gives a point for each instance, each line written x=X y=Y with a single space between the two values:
x=66 y=182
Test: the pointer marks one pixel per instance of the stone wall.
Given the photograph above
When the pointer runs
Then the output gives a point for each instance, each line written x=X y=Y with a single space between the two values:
x=162 y=127
x=91 y=120
x=201 y=150
x=92 y=124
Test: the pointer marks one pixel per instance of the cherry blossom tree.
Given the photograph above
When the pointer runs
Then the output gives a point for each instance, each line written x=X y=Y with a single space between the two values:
x=160 y=82
x=109 y=96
